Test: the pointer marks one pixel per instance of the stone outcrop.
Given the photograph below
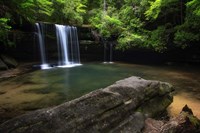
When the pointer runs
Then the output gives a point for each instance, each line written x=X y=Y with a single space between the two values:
x=185 y=122
x=120 y=107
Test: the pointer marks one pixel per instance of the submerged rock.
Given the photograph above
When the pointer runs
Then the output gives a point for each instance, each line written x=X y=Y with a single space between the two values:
x=116 y=108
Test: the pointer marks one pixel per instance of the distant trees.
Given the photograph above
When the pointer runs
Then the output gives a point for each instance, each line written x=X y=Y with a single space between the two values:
x=153 y=24
x=189 y=30
x=15 y=13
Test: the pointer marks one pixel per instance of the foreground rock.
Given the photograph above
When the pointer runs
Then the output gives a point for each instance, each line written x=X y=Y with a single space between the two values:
x=185 y=122
x=120 y=107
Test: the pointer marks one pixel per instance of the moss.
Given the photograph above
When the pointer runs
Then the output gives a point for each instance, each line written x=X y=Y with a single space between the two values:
x=165 y=88
x=194 y=121
x=155 y=106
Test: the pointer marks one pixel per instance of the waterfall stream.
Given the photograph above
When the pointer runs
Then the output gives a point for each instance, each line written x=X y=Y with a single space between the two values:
x=40 y=33
x=67 y=46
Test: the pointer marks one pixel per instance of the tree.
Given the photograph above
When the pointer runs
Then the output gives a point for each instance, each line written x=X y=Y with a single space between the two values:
x=106 y=21
x=154 y=24
x=74 y=11
x=189 y=32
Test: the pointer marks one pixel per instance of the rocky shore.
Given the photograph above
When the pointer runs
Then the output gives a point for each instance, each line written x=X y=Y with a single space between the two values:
x=121 y=107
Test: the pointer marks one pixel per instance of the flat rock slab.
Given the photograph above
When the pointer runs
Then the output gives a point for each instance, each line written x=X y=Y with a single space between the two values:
x=116 y=108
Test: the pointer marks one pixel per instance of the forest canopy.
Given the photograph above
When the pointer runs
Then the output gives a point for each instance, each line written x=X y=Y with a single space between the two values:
x=152 y=24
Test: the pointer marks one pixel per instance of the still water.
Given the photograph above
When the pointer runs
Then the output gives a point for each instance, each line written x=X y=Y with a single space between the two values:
x=46 y=88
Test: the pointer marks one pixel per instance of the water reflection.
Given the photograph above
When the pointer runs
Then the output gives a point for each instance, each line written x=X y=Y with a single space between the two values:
x=41 y=88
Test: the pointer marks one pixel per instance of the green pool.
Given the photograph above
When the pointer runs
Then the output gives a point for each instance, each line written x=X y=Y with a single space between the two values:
x=46 y=88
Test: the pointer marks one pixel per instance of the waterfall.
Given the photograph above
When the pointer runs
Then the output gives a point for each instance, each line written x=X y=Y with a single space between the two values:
x=67 y=46
x=40 y=33
x=104 y=52
x=108 y=52
x=61 y=33
x=111 y=53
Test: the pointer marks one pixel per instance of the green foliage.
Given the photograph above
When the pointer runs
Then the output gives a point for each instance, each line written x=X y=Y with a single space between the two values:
x=107 y=23
x=3 y=24
x=153 y=24
x=4 y=28
x=128 y=40
x=74 y=11
x=157 y=39
x=183 y=38
x=57 y=14
x=159 y=7
x=189 y=32
x=34 y=10
x=195 y=6
x=132 y=34
x=154 y=9
x=129 y=18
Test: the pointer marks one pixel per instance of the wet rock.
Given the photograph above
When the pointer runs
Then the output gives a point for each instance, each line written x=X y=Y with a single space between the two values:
x=116 y=108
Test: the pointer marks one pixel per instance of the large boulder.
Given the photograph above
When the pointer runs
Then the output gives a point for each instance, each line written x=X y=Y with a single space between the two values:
x=116 y=108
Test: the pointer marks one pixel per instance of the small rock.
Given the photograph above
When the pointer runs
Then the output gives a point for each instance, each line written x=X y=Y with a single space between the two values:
x=9 y=61
x=3 y=66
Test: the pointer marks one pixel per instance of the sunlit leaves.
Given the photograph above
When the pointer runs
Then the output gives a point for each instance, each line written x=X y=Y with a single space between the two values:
x=160 y=6
x=81 y=8
x=35 y=9
x=153 y=24
x=74 y=11
x=44 y=7
x=4 y=28
x=107 y=23
x=195 y=5
x=154 y=10
x=3 y=24
x=128 y=40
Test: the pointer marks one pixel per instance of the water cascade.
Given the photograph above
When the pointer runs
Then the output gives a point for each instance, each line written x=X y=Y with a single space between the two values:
x=108 y=50
x=40 y=32
x=67 y=46
x=62 y=40
x=111 y=53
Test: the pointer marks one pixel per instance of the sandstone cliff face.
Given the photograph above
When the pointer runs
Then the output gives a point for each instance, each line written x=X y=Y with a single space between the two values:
x=121 y=107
